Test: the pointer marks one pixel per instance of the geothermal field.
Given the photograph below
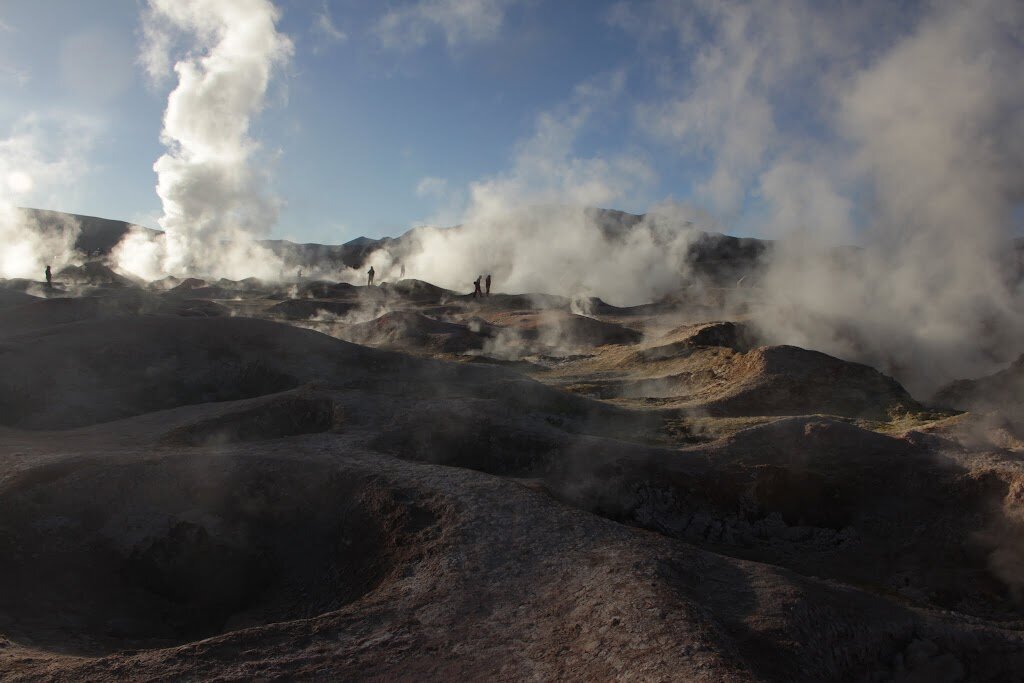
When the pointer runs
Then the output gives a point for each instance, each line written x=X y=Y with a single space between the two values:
x=512 y=340
x=311 y=478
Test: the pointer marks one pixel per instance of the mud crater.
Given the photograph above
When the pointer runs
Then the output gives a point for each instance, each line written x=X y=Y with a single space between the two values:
x=172 y=552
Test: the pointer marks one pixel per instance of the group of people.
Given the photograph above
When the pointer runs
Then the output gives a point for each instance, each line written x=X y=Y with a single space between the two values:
x=477 y=292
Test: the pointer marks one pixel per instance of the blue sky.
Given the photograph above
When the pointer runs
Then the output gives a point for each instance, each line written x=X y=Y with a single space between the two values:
x=353 y=125
x=372 y=127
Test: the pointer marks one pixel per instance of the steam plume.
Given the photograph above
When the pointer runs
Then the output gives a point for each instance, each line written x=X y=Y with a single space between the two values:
x=39 y=157
x=894 y=126
x=214 y=203
x=940 y=153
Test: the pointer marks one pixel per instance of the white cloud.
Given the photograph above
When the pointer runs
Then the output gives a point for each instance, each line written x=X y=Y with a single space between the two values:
x=460 y=22
x=325 y=27
x=431 y=186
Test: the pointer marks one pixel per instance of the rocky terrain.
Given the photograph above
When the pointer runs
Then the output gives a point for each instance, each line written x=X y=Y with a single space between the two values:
x=207 y=479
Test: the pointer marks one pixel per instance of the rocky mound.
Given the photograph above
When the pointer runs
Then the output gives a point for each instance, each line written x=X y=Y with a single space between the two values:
x=322 y=289
x=202 y=308
x=42 y=313
x=272 y=417
x=169 y=282
x=770 y=380
x=301 y=564
x=827 y=498
x=730 y=335
x=195 y=288
x=92 y=273
x=304 y=309
x=406 y=329
x=101 y=370
x=417 y=291
x=787 y=380
x=1002 y=391
x=249 y=284
x=519 y=302
x=11 y=299
x=563 y=330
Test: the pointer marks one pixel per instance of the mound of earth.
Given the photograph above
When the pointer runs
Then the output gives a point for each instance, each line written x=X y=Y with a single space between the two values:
x=228 y=498
x=270 y=417
x=562 y=329
x=417 y=291
x=406 y=329
x=730 y=335
x=249 y=284
x=195 y=288
x=788 y=380
x=827 y=498
x=322 y=289
x=169 y=282
x=304 y=309
x=92 y=273
x=32 y=287
x=1002 y=391
x=202 y=308
x=324 y=560
x=11 y=299
x=519 y=302
x=101 y=370
x=722 y=382
x=43 y=313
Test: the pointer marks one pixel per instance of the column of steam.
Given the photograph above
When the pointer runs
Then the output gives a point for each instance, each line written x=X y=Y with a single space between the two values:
x=214 y=207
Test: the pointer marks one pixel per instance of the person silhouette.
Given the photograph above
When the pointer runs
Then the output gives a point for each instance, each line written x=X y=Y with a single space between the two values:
x=487 y=284
x=369 y=277
x=476 y=287
x=49 y=277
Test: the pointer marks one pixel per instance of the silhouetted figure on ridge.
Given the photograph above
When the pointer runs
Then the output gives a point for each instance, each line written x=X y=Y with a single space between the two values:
x=369 y=277
x=49 y=278
x=476 y=287
x=401 y=275
x=487 y=284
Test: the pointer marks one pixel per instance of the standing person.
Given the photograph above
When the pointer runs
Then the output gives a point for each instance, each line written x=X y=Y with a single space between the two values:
x=476 y=287
x=402 y=274
x=49 y=277
x=369 y=277
x=487 y=283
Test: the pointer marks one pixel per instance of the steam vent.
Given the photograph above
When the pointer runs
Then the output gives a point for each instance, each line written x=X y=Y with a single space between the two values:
x=512 y=340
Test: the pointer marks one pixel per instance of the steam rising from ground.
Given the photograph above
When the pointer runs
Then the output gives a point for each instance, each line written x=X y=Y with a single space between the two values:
x=214 y=202
x=39 y=156
x=893 y=126
x=558 y=250
x=941 y=153
x=915 y=151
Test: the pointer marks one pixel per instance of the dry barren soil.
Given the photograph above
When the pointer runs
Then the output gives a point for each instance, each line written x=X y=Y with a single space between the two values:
x=217 y=480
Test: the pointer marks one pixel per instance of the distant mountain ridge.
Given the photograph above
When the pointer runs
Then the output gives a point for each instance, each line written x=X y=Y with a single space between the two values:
x=102 y=235
x=715 y=256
